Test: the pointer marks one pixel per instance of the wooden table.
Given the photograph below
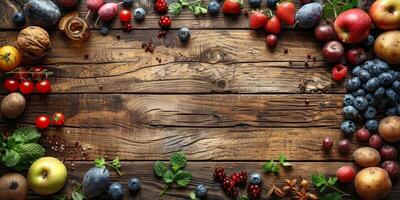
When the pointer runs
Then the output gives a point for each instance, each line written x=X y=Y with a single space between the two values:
x=223 y=99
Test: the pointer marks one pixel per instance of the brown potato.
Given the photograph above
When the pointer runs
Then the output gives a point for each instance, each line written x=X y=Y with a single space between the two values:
x=389 y=128
x=372 y=183
x=387 y=47
x=366 y=157
x=12 y=105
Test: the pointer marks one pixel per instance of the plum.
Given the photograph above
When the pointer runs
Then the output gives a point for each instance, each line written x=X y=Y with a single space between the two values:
x=93 y=6
x=391 y=167
x=43 y=13
x=309 y=15
x=95 y=182
x=107 y=12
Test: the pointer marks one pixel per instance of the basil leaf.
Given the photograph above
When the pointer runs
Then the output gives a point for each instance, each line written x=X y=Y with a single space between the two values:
x=30 y=152
x=160 y=168
x=11 y=158
x=178 y=161
x=183 y=178
x=169 y=177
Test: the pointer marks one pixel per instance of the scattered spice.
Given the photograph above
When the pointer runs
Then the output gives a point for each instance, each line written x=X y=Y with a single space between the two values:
x=86 y=56
x=314 y=58
x=148 y=47
x=307 y=101
x=118 y=36
x=308 y=55
x=286 y=51
x=65 y=149
x=306 y=63
x=161 y=33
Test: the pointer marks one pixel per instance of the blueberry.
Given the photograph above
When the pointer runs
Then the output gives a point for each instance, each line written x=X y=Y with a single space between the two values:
x=391 y=95
x=272 y=3
x=364 y=75
x=386 y=78
x=127 y=3
x=369 y=42
x=184 y=34
x=255 y=3
x=396 y=86
x=350 y=112
x=374 y=70
x=383 y=67
x=370 y=99
x=104 y=30
x=397 y=75
x=213 y=7
x=372 y=84
x=359 y=92
x=380 y=92
x=134 y=185
x=18 y=19
x=201 y=191
x=348 y=100
x=255 y=178
x=391 y=111
x=348 y=127
x=372 y=125
x=139 y=14
x=356 y=71
x=368 y=64
x=353 y=83
x=360 y=103
x=370 y=113
x=115 y=191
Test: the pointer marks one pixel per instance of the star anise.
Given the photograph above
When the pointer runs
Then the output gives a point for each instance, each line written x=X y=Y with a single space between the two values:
x=290 y=186
x=303 y=194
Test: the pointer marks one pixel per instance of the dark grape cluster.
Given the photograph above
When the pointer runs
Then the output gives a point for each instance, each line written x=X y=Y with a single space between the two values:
x=373 y=90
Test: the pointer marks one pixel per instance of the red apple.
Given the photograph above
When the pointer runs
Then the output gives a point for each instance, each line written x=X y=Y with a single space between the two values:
x=352 y=26
x=345 y=174
x=333 y=51
x=324 y=32
x=356 y=56
x=386 y=14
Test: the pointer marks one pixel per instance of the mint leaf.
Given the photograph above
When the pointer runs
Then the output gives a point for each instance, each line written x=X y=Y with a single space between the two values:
x=178 y=161
x=25 y=135
x=282 y=158
x=160 y=168
x=30 y=152
x=183 y=178
x=169 y=177
x=318 y=180
x=77 y=196
x=192 y=195
x=11 y=158
x=100 y=162
x=270 y=166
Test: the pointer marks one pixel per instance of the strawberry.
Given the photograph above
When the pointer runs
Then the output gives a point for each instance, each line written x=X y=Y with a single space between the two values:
x=286 y=12
x=273 y=25
x=232 y=6
x=257 y=19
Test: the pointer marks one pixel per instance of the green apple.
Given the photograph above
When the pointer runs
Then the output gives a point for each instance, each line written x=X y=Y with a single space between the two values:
x=47 y=175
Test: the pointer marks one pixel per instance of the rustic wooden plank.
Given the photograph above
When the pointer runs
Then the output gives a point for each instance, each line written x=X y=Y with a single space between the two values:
x=202 y=173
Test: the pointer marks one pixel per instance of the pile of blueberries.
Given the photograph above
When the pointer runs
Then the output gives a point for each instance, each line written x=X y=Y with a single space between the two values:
x=373 y=92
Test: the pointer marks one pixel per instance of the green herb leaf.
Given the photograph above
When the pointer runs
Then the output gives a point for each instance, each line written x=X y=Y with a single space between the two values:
x=331 y=196
x=77 y=195
x=192 y=195
x=183 y=178
x=100 y=162
x=332 y=8
x=318 y=180
x=175 y=8
x=30 y=152
x=116 y=164
x=160 y=168
x=270 y=166
x=11 y=158
x=244 y=197
x=169 y=177
x=24 y=135
x=178 y=161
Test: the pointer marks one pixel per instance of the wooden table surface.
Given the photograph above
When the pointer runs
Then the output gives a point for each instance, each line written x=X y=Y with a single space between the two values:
x=223 y=99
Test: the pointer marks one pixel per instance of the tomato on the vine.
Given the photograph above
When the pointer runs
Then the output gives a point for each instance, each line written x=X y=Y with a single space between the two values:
x=58 y=119
x=125 y=15
x=11 y=84
x=42 y=121
x=21 y=74
x=37 y=72
x=43 y=86
x=26 y=87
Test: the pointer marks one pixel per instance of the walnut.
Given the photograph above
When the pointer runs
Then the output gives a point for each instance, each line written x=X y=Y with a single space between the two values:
x=33 y=42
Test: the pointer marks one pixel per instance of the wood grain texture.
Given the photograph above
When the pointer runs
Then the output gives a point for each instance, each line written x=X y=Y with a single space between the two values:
x=202 y=173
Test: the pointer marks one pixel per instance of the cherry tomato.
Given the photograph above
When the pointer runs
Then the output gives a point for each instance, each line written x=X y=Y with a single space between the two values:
x=21 y=74
x=125 y=15
x=37 y=72
x=58 y=119
x=42 y=121
x=43 y=86
x=11 y=84
x=26 y=87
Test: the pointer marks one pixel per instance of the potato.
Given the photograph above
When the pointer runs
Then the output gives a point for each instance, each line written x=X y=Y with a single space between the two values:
x=366 y=157
x=372 y=183
x=12 y=105
x=387 y=47
x=389 y=128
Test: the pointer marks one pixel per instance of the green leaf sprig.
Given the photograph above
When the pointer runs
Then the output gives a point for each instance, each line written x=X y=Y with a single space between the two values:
x=196 y=7
x=21 y=149
x=193 y=196
x=271 y=166
x=174 y=175
x=332 y=8
x=115 y=164
x=76 y=194
x=323 y=183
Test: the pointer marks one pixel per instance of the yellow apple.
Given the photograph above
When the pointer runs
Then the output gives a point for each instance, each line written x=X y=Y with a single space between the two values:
x=47 y=175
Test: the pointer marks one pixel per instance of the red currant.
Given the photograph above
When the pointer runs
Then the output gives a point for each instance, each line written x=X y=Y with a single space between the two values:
x=42 y=121
x=37 y=72
x=11 y=84
x=339 y=72
x=125 y=15
x=58 y=119
x=43 y=86
x=26 y=87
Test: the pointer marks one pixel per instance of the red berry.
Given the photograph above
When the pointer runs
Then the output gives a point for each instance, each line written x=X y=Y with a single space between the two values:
x=125 y=15
x=26 y=87
x=43 y=86
x=253 y=191
x=327 y=143
x=42 y=121
x=339 y=72
x=161 y=6
x=219 y=174
x=286 y=12
x=229 y=186
x=11 y=84
x=165 y=22
x=37 y=72
x=273 y=25
x=21 y=74
x=58 y=119
x=257 y=19
x=271 y=40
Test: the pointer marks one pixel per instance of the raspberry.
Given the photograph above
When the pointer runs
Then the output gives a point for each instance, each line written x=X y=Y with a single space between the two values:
x=161 y=6
x=229 y=187
x=253 y=191
x=219 y=174
x=339 y=72
x=239 y=178
x=165 y=22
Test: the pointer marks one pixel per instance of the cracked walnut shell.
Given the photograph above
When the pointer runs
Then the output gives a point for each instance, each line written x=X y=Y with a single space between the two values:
x=33 y=42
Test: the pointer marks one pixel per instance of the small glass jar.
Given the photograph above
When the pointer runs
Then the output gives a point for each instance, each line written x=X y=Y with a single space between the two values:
x=74 y=27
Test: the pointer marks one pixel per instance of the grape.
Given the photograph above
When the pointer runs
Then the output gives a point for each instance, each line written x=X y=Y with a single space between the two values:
x=327 y=143
x=344 y=146
x=363 y=134
x=345 y=174
x=388 y=152
x=391 y=167
x=375 y=141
